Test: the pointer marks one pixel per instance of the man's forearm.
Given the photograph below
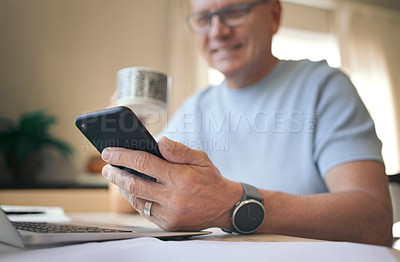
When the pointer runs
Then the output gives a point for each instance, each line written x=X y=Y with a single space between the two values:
x=346 y=216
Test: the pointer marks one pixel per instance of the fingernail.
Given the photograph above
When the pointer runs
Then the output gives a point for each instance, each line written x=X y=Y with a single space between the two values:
x=106 y=154
x=105 y=171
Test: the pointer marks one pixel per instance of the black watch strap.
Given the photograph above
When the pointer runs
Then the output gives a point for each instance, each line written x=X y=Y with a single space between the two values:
x=251 y=192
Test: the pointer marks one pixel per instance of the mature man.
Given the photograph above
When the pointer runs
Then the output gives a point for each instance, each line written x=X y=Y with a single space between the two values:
x=296 y=134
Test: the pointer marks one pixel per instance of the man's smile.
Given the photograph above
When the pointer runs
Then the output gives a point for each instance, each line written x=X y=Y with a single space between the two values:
x=225 y=50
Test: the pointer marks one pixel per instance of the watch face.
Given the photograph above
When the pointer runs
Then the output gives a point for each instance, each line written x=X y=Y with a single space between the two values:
x=248 y=216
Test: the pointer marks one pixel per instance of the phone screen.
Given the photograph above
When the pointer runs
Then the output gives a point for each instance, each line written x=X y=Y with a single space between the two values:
x=117 y=127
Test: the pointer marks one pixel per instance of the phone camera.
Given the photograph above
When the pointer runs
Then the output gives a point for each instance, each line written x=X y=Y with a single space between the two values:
x=83 y=126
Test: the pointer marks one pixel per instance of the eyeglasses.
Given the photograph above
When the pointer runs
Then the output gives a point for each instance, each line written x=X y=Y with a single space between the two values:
x=231 y=15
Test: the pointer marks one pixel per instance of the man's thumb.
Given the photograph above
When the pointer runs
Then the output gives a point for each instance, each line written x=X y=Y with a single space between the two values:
x=179 y=153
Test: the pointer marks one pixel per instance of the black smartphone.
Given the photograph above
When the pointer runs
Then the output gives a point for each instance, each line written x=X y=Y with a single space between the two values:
x=117 y=127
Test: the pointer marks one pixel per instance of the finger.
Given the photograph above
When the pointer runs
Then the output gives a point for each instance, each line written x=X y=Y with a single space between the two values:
x=135 y=186
x=140 y=161
x=161 y=216
x=179 y=153
x=132 y=200
x=139 y=205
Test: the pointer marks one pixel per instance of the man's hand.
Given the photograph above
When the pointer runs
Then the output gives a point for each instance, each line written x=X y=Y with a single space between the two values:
x=190 y=193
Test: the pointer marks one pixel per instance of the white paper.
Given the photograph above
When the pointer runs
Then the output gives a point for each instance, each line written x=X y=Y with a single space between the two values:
x=150 y=249
x=50 y=214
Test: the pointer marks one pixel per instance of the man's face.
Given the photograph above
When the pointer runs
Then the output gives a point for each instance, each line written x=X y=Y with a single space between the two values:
x=237 y=50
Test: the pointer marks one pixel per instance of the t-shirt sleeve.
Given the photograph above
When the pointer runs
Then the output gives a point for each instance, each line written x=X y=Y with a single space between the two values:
x=345 y=131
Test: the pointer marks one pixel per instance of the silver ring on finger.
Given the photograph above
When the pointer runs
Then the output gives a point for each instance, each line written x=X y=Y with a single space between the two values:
x=147 y=208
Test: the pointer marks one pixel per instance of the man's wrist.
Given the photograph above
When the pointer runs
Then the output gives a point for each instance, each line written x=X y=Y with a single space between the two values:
x=235 y=193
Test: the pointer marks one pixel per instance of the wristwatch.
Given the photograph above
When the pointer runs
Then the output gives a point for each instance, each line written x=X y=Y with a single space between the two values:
x=249 y=213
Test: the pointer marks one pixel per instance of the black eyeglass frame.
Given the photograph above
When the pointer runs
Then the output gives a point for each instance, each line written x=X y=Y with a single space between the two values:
x=246 y=7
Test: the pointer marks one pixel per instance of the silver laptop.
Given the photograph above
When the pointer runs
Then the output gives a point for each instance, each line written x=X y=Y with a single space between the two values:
x=40 y=234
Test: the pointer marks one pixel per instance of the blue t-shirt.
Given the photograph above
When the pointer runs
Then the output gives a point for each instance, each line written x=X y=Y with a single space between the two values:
x=284 y=132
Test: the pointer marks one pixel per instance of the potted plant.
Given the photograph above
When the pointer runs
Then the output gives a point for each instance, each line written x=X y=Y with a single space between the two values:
x=21 y=143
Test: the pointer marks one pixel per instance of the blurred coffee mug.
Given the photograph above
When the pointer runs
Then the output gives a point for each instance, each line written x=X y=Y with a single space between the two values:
x=142 y=89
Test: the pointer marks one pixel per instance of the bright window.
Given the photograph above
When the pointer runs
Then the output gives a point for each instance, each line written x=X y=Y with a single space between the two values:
x=292 y=44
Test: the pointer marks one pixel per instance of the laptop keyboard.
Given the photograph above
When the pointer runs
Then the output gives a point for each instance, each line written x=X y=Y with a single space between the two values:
x=41 y=227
